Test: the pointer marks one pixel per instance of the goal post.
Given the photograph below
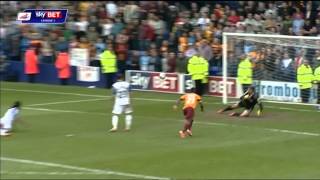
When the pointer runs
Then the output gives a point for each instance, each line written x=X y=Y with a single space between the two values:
x=275 y=59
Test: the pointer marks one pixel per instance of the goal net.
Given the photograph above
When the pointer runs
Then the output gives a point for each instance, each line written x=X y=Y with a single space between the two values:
x=274 y=59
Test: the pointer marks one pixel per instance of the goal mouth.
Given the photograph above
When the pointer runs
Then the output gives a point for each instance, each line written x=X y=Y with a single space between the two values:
x=275 y=60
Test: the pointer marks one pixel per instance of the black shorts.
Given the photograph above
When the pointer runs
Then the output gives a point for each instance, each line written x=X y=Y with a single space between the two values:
x=246 y=106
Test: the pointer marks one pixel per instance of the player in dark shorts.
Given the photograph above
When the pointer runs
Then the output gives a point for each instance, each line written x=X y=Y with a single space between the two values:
x=247 y=101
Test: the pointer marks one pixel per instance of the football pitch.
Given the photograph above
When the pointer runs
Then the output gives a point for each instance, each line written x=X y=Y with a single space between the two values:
x=65 y=136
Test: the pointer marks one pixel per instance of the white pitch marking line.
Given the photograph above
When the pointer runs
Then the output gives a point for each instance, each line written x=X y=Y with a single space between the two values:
x=65 y=102
x=139 y=176
x=160 y=100
x=197 y=122
x=51 y=173
x=267 y=129
x=53 y=110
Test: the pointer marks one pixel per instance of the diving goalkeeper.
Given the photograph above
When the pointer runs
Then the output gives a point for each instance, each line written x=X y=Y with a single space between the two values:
x=247 y=101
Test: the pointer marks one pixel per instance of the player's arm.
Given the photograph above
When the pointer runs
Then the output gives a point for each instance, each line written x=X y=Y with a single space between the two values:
x=177 y=104
x=182 y=98
x=201 y=106
x=242 y=97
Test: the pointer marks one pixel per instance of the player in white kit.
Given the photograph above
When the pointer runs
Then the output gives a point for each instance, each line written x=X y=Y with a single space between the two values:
x=121 y=91
x=6 y=122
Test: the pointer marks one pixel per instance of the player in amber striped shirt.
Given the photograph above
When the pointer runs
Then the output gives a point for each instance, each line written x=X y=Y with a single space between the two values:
x=191 y=101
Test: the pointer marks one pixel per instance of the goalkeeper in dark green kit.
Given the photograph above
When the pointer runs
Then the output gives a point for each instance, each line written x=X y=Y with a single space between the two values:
x=247 y=101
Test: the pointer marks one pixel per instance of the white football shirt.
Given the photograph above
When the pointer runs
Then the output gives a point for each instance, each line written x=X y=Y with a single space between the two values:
x=9 y=117
x=121 y=90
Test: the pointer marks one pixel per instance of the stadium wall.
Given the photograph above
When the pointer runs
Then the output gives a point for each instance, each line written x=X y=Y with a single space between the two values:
x=151 y=81
x=14 y=71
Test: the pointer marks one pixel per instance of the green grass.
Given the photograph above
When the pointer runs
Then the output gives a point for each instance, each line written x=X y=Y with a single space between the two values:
x=222 y=147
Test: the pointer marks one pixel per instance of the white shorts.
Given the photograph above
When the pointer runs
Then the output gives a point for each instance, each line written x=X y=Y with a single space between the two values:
x=119 y=109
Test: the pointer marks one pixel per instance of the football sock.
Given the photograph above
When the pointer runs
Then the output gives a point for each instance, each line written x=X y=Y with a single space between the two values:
x=186 y=125
x=115 y=120
x=128 y=121
x=190 y=126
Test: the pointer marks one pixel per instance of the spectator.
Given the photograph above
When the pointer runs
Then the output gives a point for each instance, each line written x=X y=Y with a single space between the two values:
x=46 y=51
x=134 y=61
x=144 y=61
x=131 y=11
x=155 y=61
x=82 y=24
x=285 y=69
x=106 y=28
x=117 y=27
x=191 y=51
x=191 y=38
x=164 y=47
x=203 y=20
x=183 y=42
x=31 y=64
x=146 y=35
x=164 y=61
x=232 y=65
x=62 y=45
x=100 y=46
x=205 y=50
x=233 y=18
x=92 y=34
x=172 y=62
x=73 y=42
x=112 y=9
x=63 y=67
x=298 y=21
x=182 y=63
x=122 y=50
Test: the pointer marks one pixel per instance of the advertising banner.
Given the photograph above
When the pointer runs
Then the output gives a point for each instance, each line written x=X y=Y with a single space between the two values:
x=144 y=80
x=79 y=57
x=216 y=88
x=88 y=73
x=282 y=91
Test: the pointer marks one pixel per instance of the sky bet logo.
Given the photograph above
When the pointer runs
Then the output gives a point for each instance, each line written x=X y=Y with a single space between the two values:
x=43 y=16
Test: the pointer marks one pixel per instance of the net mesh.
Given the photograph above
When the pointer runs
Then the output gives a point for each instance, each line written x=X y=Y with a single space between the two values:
x=273 y=58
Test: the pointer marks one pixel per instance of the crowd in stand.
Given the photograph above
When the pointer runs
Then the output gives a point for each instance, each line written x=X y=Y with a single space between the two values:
x=160 y=35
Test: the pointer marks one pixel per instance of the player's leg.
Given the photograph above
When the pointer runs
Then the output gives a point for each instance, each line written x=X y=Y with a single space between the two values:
x=5 y=132
x=128 y=112
x=188 y=118
x=5 y=129
x=117 y=110
x=189 y=130
x=245 y=113
x=228 y=108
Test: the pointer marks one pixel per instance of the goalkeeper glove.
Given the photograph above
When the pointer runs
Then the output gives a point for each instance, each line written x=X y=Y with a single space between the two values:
x=259 y=112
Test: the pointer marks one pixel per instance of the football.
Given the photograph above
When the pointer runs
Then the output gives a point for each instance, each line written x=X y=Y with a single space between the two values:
x=162 y=76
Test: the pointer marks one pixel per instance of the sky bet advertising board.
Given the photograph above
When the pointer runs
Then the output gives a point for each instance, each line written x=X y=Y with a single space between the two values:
x=153 y=81
x=215 y=85
x=43 y=16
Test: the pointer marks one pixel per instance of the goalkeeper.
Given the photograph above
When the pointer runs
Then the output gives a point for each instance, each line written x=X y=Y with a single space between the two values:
x=248 y=100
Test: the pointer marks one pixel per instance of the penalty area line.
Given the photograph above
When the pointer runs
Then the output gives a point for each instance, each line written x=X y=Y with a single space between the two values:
x=99 y=171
